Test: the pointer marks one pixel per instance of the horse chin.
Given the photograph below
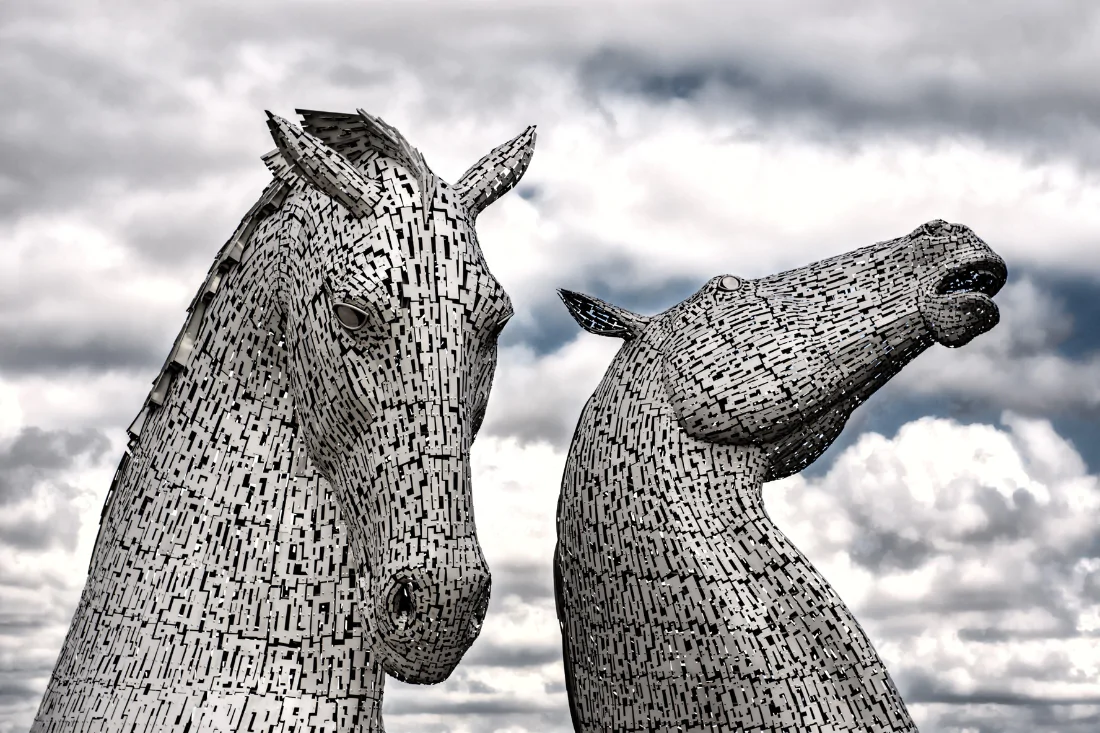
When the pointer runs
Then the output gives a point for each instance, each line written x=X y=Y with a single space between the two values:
x=955 y=319
x=419 y=670
x=418 y=675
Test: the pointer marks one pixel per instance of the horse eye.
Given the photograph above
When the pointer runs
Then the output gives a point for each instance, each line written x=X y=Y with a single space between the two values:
x=729 y=282
x=350 y=317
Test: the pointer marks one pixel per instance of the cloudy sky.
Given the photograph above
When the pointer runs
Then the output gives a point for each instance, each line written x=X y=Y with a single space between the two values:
x=677 y=140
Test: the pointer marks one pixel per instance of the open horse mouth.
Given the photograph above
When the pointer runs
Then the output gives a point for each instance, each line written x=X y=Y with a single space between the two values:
x=960 y=305
x=986 y=277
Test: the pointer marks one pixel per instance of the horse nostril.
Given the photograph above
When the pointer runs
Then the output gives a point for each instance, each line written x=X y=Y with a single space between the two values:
x=401 y=605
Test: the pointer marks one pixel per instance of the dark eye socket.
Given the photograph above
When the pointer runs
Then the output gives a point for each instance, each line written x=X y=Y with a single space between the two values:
x=729 y=283
x=350 y=317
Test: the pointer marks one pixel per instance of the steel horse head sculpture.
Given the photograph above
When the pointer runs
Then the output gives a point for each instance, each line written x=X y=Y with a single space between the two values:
x=682 y=606
x=293 y=517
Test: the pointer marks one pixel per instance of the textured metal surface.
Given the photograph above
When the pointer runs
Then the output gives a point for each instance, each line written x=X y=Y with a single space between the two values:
x=292 y=518
x=682 y=606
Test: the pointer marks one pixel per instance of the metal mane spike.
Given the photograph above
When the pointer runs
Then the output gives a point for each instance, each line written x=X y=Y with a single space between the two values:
x=229 y=255
x=325 y=168
x=411 y=158
x=362 y=137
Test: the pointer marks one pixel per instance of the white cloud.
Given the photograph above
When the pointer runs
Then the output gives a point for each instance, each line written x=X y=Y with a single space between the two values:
x=671 y=194
x=991 y=596
x=981 y=613
x=933 y=483
x=540 y=398
x=108 y=400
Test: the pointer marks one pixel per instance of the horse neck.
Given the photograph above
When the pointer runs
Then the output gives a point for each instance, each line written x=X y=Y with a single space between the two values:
x=630 y=444
x=629 y=436
x=224 y=433
x=210 y=532
x=647 y=509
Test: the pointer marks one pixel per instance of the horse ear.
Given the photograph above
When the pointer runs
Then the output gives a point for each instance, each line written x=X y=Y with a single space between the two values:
x=323 y=167
x=496 y=173
x=601 y=318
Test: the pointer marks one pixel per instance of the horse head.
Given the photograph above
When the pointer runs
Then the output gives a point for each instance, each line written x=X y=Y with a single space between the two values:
x=391 y=317
x=782 y=361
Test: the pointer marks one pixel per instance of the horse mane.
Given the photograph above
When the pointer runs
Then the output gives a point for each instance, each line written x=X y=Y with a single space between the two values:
x=360 y=138
x=356 y=136
x=228 y=257
x=179 y=356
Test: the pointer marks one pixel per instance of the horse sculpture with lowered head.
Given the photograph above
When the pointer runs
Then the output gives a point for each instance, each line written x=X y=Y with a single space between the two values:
x=682 y=606
x=293 y=516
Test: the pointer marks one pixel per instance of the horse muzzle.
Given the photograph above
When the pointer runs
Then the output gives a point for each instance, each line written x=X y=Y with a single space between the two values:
x=958 y=306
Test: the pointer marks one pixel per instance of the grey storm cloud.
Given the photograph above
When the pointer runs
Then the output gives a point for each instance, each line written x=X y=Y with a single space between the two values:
x=1091 y=586
x=35 y=457
x=879 y=550
x=924 y=688
x=885 y=551
x=1040 y=122
x=89 y=123
x=543 y=425
x=611 y=277
x=845 y=72
x=59 y=528
x=14 y=623
x=12 y=690
x=1012 y=717
x=488 y=716
x=501 y=655
x=529 y=581
x=471 y=707
x=36 y=454
x=126 y=111
x=53 y=351
x=987 y=711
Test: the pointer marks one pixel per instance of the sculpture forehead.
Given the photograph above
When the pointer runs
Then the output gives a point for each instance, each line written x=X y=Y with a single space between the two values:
x=831 y=280
x=436 y=272
x=434 y=258
x=836 y=270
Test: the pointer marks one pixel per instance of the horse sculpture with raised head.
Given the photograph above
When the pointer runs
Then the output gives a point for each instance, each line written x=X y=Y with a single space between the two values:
x=293 y=516
x=682 y=606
